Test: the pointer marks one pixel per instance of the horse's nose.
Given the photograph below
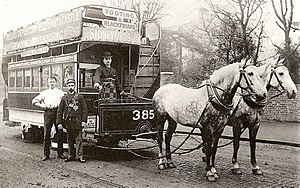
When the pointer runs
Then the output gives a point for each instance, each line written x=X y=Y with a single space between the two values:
x=294 y=93
x=261 y=97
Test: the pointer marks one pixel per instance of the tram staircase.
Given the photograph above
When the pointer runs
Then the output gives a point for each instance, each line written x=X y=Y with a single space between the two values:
x=147 y=77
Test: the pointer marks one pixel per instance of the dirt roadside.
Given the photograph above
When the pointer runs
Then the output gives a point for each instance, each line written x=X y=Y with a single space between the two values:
x=21 y=167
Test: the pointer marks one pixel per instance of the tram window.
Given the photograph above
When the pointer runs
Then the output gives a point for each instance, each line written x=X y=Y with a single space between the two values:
x=86 y=78
x=70 y=48
x=56 y=51
x=12 y=78
x=44 y=77
x=68 y=71
x=47 y=54
x=19 y=58
x=56 y=72
x=19 y=78
x=27 y=77
x=35 y=79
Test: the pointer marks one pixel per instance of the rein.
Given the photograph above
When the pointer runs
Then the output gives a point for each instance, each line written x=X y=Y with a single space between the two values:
x=178 y=147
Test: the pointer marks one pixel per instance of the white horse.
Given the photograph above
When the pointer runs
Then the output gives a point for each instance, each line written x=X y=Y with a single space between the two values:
x=207 y=108
x=248 y=112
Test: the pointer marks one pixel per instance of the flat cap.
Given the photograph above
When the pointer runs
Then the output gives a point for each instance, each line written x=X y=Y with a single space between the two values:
x=71 y=81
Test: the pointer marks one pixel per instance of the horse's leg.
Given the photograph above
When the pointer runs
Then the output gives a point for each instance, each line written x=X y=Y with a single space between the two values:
x=236 y=129
x=168 y=137
x=207 y=139
x=216 y=138
x=160 y=126
x=252 y=134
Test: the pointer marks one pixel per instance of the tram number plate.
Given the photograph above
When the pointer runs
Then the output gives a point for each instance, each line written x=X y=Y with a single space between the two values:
x=142 y=114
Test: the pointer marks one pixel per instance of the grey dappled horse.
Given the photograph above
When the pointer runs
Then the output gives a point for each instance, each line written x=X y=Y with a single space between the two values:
x=247 y=112
x=207 y=108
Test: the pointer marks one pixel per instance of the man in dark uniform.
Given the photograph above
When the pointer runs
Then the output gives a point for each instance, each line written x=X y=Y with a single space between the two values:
x=72 y=114
x=106 y=78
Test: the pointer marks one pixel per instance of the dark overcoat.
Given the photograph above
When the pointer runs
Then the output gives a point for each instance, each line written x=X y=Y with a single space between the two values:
x=71 y=111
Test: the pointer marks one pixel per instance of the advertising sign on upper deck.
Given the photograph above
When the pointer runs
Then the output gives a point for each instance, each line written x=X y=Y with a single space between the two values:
x=113 y=18
x=61 y=27
x=110 y=35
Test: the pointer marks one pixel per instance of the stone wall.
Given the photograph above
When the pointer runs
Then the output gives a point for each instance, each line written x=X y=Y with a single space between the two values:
x=282 y=108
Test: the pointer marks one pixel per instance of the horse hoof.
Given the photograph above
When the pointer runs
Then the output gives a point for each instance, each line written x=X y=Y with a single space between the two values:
x=204 y=159
x=161 y=166
x=216 y=176
x=171 y=165
x=236 y=171
x=211 y=178
x=257 y=172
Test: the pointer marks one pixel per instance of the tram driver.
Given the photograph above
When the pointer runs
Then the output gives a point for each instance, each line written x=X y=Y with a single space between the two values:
x=106 y=79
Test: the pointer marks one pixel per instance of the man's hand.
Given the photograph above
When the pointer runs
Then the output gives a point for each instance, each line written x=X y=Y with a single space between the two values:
x=83 y=124
x=41 y=105
x=59 y=126
x=122 y=93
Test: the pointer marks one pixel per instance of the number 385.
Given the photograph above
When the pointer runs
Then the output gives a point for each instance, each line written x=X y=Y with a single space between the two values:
x=143 y=114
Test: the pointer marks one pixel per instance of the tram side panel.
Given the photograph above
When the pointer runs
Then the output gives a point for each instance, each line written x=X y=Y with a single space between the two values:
x=123 y=121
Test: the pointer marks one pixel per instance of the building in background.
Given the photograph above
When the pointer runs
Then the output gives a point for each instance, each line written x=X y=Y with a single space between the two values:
x=2 y=84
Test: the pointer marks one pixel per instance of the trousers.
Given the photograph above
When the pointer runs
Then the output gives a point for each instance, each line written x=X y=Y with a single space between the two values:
x=49 y=121
x=75 y=137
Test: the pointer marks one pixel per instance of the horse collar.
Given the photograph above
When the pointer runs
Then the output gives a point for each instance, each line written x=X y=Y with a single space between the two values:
x=215 y=99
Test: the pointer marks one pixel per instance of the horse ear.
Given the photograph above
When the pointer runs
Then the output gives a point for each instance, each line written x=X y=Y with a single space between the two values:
x=246 y=62
x=241 y=66
x=280 y=61
x=249 y=62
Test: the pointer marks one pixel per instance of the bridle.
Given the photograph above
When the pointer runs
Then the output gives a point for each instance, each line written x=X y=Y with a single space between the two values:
x=273 y=72
x=214 y=96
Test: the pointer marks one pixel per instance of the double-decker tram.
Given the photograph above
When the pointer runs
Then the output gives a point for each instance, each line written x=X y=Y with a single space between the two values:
x=70 y=45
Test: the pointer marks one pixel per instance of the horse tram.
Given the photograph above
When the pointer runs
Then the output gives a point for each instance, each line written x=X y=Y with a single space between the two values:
x=70 y=45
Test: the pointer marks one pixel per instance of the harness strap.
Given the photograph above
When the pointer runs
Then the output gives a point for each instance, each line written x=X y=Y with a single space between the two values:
x=215 y=98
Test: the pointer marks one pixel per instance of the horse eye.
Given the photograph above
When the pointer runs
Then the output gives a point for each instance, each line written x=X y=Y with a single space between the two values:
x=280 y=74
x=250 y=73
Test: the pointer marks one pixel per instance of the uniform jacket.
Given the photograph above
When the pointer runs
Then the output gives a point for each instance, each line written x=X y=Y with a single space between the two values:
x=71 y=111
x=103 y=72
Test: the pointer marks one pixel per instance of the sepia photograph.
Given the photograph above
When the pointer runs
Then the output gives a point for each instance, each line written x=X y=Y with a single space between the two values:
x=149 y=93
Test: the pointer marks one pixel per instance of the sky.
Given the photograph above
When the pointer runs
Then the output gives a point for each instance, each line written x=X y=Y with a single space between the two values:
x=17 y=13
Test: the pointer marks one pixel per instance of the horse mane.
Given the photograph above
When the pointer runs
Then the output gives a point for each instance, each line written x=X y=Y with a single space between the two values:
x=225 y=74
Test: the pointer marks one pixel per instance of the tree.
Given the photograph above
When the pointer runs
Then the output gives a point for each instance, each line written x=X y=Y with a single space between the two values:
x=149 y=10
x=288 y=51
x=240 y=29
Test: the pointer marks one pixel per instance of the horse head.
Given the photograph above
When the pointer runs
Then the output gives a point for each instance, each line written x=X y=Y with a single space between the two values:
x=280 y=79
x=249 y=81
x=241 y=75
